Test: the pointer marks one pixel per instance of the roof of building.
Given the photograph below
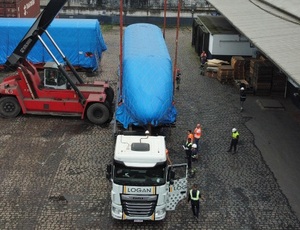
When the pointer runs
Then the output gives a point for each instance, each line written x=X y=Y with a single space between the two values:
x=273 y=26
x=216 y=25
x=291 y=7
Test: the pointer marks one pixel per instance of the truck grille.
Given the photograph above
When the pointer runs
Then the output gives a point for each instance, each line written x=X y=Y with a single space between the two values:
x=137 y=205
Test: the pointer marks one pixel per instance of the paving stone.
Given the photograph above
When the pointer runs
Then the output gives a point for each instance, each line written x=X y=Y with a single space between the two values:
x=53 y=169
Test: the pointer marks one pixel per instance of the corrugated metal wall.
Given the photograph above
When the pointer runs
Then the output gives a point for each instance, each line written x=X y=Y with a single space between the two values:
x=19 y=8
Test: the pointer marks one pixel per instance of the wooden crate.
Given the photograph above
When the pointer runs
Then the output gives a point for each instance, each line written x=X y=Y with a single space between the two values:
x=211 y=71
x=225 y=74
x=260 y=76
x=238 y=64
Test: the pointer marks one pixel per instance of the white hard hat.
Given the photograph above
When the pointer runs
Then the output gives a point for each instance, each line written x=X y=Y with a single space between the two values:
x=234 y=130
x=194 y=145
x=242 y=88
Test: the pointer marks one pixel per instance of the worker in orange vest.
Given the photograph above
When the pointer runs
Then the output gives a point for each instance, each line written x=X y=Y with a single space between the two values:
x=197 y=135
x=190 y=135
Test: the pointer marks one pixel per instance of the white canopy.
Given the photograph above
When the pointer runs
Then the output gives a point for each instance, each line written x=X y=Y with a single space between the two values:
x=273 y=26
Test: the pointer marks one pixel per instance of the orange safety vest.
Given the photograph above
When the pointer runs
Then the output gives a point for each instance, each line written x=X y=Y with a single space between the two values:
x=197 y=133
x=191 y=136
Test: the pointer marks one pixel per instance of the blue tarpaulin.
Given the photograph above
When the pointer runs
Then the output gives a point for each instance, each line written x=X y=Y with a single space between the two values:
x=80 y=40
x=147 y=90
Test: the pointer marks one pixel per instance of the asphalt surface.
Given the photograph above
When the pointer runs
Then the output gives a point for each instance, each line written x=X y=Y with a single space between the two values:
x=52 y=169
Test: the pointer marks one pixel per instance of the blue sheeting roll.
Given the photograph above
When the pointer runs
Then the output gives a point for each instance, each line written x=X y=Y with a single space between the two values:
x=147 y=91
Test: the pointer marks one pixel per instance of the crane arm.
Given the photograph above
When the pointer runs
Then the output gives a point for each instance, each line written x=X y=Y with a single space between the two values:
x=37 y=29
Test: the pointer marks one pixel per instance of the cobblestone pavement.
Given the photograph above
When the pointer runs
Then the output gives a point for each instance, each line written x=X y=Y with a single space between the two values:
x=52 y=169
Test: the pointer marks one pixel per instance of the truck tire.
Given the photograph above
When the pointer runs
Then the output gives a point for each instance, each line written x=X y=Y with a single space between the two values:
x=98 y=113
x=9 y=107
x=109 y=95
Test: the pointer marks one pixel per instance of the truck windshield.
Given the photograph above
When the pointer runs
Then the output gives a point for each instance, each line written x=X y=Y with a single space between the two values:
x=140 y=176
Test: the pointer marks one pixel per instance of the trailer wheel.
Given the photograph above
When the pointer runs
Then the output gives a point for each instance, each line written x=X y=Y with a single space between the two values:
x=109 y=95
x=9 y=107
x=98 y=113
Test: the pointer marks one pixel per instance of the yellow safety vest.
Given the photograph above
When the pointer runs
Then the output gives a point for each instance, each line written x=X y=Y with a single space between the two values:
x=235 y=135
x=188 y=144
x=197 y=195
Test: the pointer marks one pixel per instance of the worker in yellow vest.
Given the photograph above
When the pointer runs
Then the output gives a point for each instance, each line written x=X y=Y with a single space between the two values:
x=195 y=197
x=234 y=140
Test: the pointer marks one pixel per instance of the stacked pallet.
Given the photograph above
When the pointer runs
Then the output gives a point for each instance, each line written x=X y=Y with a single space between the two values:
x=225 y=74
x=238 y=65
x=211 y=67
x=261 y=72
x=211 y=71
x=247 y=70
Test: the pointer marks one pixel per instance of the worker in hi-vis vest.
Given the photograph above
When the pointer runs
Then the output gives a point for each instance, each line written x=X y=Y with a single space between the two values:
x=195 y=197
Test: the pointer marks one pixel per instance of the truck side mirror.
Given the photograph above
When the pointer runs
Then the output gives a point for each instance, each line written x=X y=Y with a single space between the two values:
x=108 y=172
x=172 y=175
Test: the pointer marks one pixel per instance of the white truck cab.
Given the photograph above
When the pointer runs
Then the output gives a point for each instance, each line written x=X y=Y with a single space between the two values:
x=144 y=187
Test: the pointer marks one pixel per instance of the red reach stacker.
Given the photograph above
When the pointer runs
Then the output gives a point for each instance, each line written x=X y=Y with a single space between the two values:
x=54 y=93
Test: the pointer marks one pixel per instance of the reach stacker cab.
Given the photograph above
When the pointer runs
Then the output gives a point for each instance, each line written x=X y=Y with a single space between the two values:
x=53 y=78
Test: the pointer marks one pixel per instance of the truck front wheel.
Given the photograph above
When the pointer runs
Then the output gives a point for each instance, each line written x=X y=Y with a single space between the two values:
x=98 y=113
x=9 y=107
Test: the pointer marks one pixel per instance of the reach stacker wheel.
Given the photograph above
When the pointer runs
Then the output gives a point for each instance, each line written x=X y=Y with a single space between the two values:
x=9 y=107
x=98 y=113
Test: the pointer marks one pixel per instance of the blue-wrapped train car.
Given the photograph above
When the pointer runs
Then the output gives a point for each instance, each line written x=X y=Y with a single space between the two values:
x=147 y=83
x=80 y=40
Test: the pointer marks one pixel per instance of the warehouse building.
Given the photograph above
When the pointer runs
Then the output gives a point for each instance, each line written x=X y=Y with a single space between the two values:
x=219 y=39
x=272 y=26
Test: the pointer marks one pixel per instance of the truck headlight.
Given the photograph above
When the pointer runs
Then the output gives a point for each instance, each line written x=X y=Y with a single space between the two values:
x=160 y=212
x=117 y=211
